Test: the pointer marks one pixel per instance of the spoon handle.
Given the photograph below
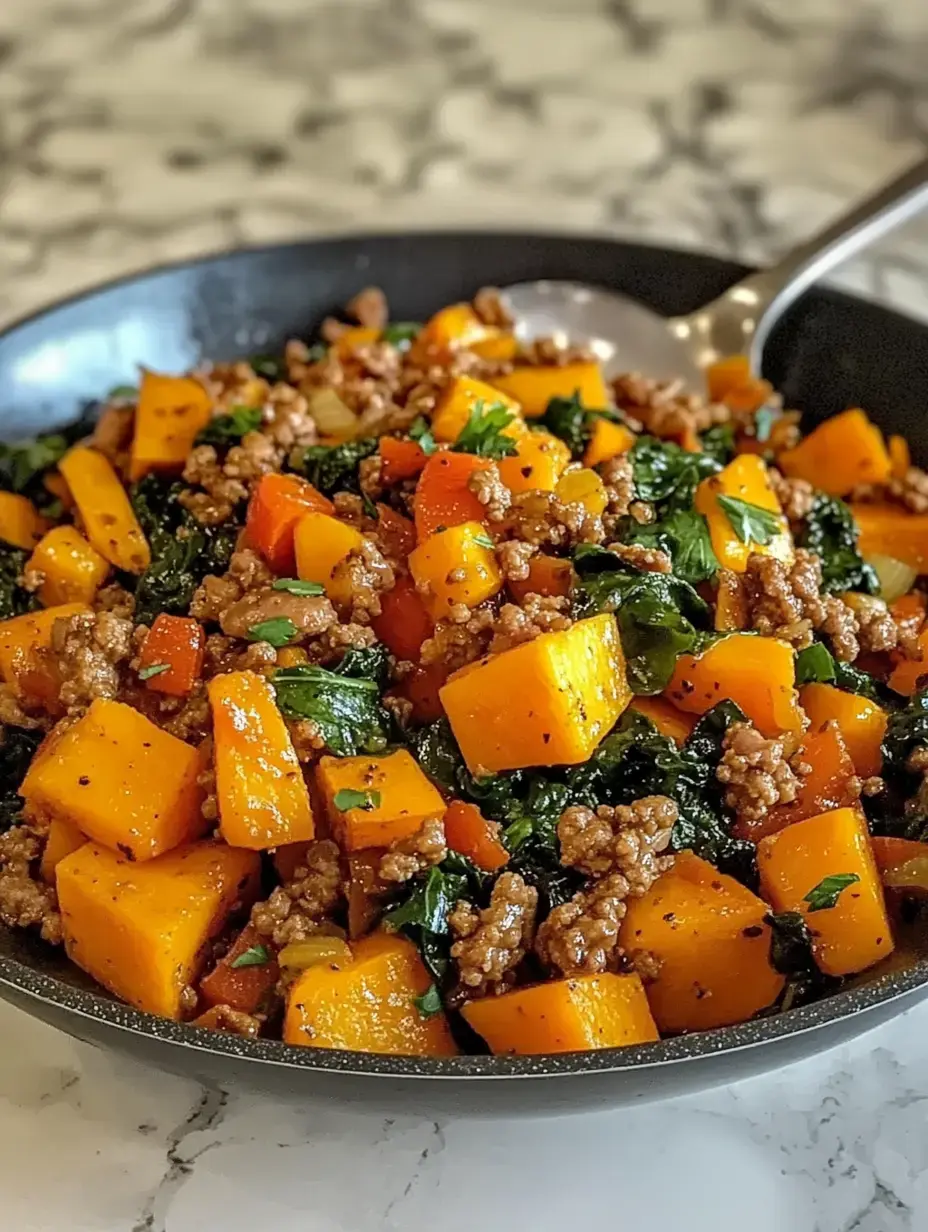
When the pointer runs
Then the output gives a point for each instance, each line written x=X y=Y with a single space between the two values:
x=774 y=289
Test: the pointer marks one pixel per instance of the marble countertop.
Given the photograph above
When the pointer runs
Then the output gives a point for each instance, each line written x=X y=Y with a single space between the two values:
x=137 y=131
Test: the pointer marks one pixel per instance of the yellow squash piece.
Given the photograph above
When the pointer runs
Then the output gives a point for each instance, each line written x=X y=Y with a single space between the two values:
x=122 y=780
x=63 y=838
x=460 y=396
x=539 y=461
x=24 y=645
x=533 y=388
x=171 y=410
x=457 y=565
x=548 y=702
x=844 y=451
x=103 y=504
x=608 y=440
x=72 y=570
x=398 y=798
x=20 y=522
x=583 y=487
x=368 y=1004
x=575 y=1015
x=322 y=543
x=143 y=930
x=744 y=479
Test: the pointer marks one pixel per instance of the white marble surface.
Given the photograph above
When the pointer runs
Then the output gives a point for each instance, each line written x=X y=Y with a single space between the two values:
x=133 y=131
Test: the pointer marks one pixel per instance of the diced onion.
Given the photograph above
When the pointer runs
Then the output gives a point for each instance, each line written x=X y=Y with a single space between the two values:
x=331 y=416
x=896 y=578
x=299 y=955
x=912 y=875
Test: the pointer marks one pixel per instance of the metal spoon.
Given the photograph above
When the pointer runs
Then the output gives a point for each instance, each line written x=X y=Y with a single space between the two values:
x=629 y=337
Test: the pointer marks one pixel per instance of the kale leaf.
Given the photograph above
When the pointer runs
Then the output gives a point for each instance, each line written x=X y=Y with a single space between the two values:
x=751 y=523
x=17 y=749
x=421 y=911
x=571 y=422
x=666 y=475
x=791 y=955
x=183 y=551
x=223 y=430
x=401 y=334
x=899 y=809
x=14 y=601
x=817 y=665
x=344 y=703
x=684 y=536
x=334 y=468
x=659 y=615
x=831 y=532
x=483 y=434
x=719 y=443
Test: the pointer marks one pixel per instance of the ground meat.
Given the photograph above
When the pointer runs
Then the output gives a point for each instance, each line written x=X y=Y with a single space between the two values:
x=335 y=641
x=491 y=310
x=188 y=718
x=514 y=559
x=229 y=482
x=626 y=839
x=877 y=631
x=756 y=773
x=491 y=943
x=369 y=308
x=785 y=601
x=112 y=434
x=409 y=856
x=307 y=738
x=795 y=496
x=295 y=909
x=619 y=480
x=286 y=420
x=370 y=477
x=581 y=937
x=235 y=1022
x=490 y=490
x=538 y=517
x=664 y=408
x=911 y=491
x=462 y=639
x=553 y=353
x=524 y=622
x=12 y=713
x=87 y=649
x=650 y=560
x=311 y=614
x=365 y=573
x=26 y=902
x=247 y=572
x=116 y=600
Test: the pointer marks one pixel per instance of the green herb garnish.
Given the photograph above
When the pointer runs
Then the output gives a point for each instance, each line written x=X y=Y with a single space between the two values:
x=484 y=540
x=828 y=890
x=483 y=433
x=347 y=799
x=277 y=632
x=344 y=703
x=751 y=523
x=298 y=586
x=122 y=393
x=154 y=669
x=230 y=428
x=401 y=334
x=254 y=956
x=420 y=431
x=429 y=1003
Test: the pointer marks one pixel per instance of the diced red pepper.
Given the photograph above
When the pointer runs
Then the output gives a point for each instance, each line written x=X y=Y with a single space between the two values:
x=403 y=623
x=421 y=688
x=245 y=987
x=278 y=503
x=179 y=642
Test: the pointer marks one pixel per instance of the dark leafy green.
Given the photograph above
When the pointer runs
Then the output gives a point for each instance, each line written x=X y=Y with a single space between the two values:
x=229 y=429
x=790 y=943
x=14 y=601
x=420 y=431
x=719 y=443
x=751 y=523
x=483 y=434
x=22 y=465
x=666 y=475
x=900 y=810
x=344 y=703
x=764 y=419
x=684 y=536
x=831 y=532
x=273 y=367
x=429 y=1003
x=17 y=749
x=401 y=334
x=183 y=551
x=568 y=419
x=334 y=468
x=422 y=909
x=817 y=665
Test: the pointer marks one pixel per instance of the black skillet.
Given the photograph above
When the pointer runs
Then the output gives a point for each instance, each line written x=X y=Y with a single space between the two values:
x=830 y=353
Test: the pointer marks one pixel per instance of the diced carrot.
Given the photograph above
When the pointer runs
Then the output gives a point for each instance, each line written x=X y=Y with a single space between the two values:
x=354 y=337
x=399 y=459
x=403 y=623
x=397 y=533
x=20 y=522
x=909 y=613
x=180 y=643
x=443 y=498
x=908 y=675
x=246 y=986
x=468 y=832
x=278 y=503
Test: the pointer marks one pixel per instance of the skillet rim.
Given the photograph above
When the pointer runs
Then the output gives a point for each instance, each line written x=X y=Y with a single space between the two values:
x=99 y=1007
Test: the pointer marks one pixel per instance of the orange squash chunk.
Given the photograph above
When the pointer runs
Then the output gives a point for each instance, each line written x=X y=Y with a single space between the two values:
x=108 y=517
x=460 y=396
x=368 y=1004
x=73 y=571
x=170 y=412
x=839 y=454
x=853 y=934
x=886 y=530
x=143 y=930
x=709 y=935
x=399 y=798
x=63 y=838
x=453 y=566
x=744 y=479
x=539 y=462
x=20 y=522
x=862 y=723
x=668 y=720
x=608 y=440
x=322 y=543
x=24 y=643
x=122 y=780
x=547 y=575
x=533 y=388
x=574 y=1015
x=277 y=504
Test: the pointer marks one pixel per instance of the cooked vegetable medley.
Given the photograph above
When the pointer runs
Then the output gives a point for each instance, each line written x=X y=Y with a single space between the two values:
x=422 y=692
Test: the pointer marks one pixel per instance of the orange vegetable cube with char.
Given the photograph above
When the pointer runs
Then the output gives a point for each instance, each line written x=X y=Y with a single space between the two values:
x=63 y=838
x=744 y=479
x=455 y=566
x=585 y=488
x=460 y=397
x=368 y=1004
x=123 y=781
x=25 y=643
x=322 y=544
x=756 y=672
x=844 y=451
x=21 y=524
x=533 y=388
x=263 y=798
x=608 y=439
x=709 y=936
x=398 y=798
x=471 y=834
x=107 y=514
x=539 y=461
x=170 y=412
x=573 y=1015
x=862 y=723
x=72 y=570
x=403 y=623
x=399 y=460
x=443 y=498
x=887 y=530
x=278 y=503
x=854 y=933
x=179 y=644
x=548 y=702
x=143 y=930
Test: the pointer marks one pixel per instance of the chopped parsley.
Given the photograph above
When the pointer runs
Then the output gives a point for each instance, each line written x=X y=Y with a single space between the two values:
x=420 y=431
x=347 y=799
x=429 y=1003
x=276 y=632
x=401 y=334
x=230 y=428
x=751 y=523
x=483 y=433
x=254 y=956
x=297 y=586
x=153 y=669
x=826 y=893
x=483 y=540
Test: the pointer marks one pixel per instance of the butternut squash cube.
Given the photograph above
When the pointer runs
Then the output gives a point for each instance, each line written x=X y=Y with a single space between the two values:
x=862 y=723
x=122 y=780
x=888 y=530
x=533 y=388
x=709 y=935
x=575 y=1015
x=368 y=1004
x=321 y=543
x=460 y=396
x=457 y=565
x=20 y=522
x=24 y=642
x=853 y=934
x=745 y=479
x=105 y=509
x=398 y=798
x=171 y=410
x=142 y=930
x=844 y=451
x=63 y=838
x=548 y=702
x=262 y=795
x=539 y=461
x=608 y=440
x=72 y=569
x=583 y=487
